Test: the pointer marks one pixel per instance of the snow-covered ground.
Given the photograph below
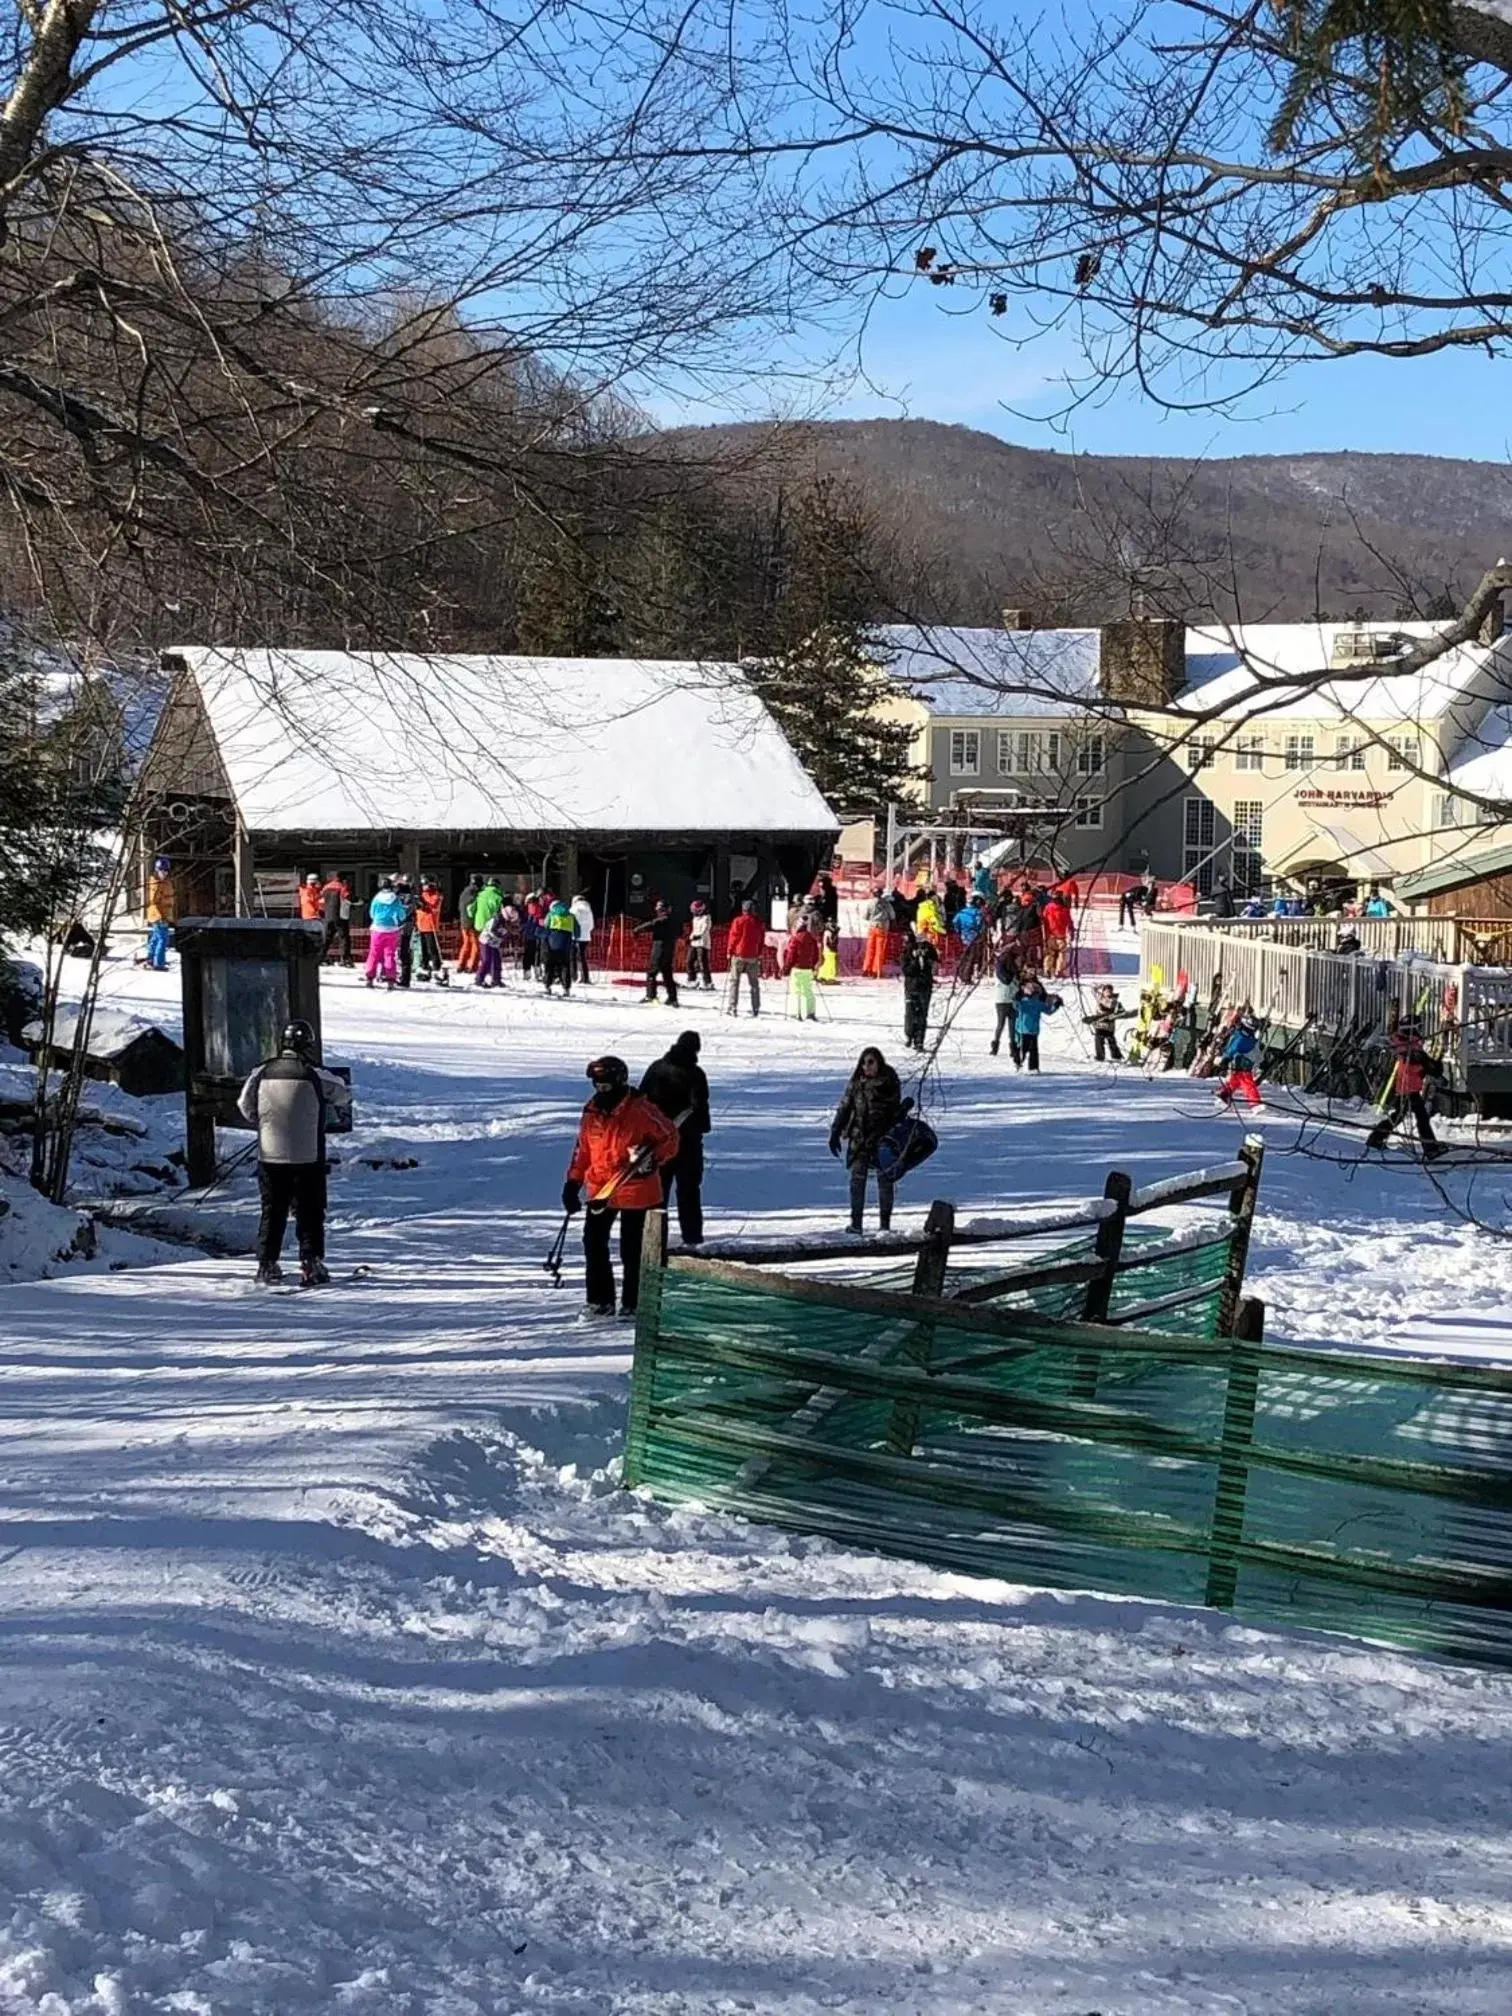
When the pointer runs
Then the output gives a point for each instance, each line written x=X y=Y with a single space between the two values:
x=336 y=1675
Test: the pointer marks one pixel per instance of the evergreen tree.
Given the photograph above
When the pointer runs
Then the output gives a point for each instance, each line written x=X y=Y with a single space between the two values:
x=821 y=679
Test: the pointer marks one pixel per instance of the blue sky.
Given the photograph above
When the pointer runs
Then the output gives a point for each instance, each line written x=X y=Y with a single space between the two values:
x=926 y=354
x=922 y=363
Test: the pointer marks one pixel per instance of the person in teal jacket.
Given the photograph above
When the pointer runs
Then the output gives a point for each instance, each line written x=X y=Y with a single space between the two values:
x=1029 y=1010
x=559 y=934
x=387 y=913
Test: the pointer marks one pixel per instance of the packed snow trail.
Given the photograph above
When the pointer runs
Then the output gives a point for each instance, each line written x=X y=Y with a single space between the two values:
x=338 y=1676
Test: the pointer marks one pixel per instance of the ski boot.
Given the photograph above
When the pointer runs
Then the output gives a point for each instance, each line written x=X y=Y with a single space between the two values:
x=313 y=1274
x=270 y=1276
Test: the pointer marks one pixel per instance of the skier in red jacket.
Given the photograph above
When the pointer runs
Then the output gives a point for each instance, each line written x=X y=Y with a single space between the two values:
x=1411 y=1068
x=745 y=945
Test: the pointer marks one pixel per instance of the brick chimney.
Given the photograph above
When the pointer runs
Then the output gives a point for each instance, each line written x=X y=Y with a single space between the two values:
x=1143 y=660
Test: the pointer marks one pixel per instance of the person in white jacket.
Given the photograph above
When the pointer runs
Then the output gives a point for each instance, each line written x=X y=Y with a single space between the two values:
x=701 y=947
x=582 y=910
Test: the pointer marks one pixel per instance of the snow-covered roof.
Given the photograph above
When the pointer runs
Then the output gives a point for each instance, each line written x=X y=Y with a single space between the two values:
x=1232 y=669
x=112 y=1031
x=993 y=671
x=1484 y=761
x=341 y=741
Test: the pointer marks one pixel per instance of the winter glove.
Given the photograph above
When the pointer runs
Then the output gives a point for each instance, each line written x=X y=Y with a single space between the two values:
x=572 y=1197
x=834 y=1144
x=642 y=1162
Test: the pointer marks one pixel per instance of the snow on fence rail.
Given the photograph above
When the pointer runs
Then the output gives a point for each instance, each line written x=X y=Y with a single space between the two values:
x=1340 y=1491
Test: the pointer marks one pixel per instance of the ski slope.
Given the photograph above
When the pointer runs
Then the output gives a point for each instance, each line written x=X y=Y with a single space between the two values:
x=338 y=1676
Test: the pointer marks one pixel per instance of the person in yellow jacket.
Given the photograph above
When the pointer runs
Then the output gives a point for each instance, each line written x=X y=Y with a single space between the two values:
x=829 y=958
x=929 y=919
x=162 y=912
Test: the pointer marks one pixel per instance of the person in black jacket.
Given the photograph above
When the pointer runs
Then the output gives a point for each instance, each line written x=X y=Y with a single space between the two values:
x=404 y=890
x=868 y=1110
x=662 y=929
x=828 y=899
x=1223 y=898
x=918 y=967
x=676 y=1085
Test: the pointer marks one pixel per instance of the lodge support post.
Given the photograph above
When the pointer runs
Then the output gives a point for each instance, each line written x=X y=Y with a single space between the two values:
x=1226 y=1535
x=241 y=864
x=647 y=1329
x=929 y=1279
x=1242 y=1206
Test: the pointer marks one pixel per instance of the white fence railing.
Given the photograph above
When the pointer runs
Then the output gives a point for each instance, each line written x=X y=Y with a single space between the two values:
x=1338 y=992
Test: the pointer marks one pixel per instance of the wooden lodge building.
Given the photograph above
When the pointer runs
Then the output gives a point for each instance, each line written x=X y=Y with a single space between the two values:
x=629 y=779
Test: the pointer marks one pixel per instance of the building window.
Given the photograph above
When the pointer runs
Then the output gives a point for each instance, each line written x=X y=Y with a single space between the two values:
x=1200 y=751
x=1402 y=753
x=1089 y=812
x=1299 y=752
x=1008 y=745
x=1445 y=810
x=1089 y=758
x=1349 y=753
x=1249 y=752
x=1249 y=845
x=1048 y=758
x=1198 y=839
x=965 y=752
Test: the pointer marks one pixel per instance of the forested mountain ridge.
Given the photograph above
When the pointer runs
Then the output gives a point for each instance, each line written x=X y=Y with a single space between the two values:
x=991 y=524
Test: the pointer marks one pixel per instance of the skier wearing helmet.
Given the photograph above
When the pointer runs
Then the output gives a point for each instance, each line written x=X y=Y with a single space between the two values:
x=311 y=908
x=1240 y=1054
x=286 y=1100
x=623 y=1144
x=1411 y=1068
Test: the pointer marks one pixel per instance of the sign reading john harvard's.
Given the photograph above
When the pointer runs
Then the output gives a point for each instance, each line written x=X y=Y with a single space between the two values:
x=1343 y=795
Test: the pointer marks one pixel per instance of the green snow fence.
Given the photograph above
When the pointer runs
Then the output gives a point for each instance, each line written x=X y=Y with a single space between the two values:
x=1353 y=1493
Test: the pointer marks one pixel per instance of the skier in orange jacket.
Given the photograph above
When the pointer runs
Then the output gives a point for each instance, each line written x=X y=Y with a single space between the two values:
x=623 y=1143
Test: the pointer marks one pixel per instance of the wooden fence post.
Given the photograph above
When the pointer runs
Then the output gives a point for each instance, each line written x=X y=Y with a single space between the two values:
x=1242 y=1207
x=929 y=1279
x=1107 y=1247
x=1227 y=1532
x=647 y=1329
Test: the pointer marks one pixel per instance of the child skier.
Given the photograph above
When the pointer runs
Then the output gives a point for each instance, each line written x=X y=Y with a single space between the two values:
x=701 y=946
x=1107 y=1012
x=1031 y=1005
x=491 y=951
x=1411 y=1068
x=1240 y=1056
x=920 y=959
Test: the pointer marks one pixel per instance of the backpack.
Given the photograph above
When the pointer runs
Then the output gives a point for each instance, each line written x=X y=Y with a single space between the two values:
x=907 y=1143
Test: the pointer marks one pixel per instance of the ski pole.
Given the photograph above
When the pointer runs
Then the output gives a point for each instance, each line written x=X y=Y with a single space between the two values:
x=553 y=1261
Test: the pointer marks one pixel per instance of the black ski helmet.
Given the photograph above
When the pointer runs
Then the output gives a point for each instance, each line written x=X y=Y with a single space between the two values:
x=298 y=1035
x=607 y=1072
